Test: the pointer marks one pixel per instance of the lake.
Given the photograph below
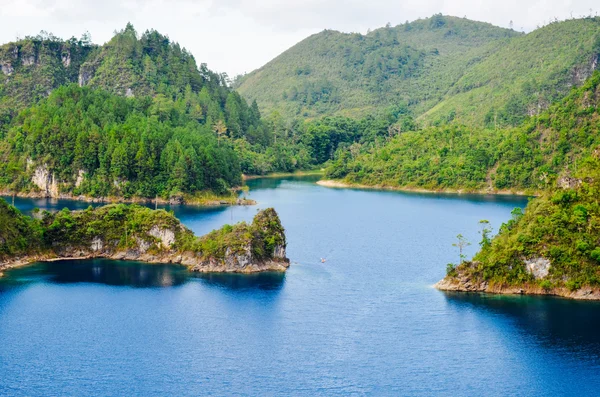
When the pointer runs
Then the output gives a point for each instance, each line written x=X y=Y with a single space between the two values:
x=365 y=322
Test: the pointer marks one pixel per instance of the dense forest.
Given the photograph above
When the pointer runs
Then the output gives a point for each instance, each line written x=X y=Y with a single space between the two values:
x=99 y=144
x=445 y=68
x=532 y=157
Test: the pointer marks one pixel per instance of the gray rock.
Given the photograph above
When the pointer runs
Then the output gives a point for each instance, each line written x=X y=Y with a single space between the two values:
x=538 y=267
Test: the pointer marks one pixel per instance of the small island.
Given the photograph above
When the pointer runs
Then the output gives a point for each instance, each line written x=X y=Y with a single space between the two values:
x=137 y=233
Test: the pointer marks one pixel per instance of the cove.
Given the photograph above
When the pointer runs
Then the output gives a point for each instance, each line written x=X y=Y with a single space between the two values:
x=365 y=322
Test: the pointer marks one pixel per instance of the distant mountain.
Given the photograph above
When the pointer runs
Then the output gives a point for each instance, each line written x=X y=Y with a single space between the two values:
x=445 y=68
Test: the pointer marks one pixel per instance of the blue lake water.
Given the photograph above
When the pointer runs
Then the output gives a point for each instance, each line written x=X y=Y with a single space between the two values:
x=366 y=322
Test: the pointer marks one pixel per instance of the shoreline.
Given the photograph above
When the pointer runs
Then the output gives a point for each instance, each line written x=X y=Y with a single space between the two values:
x=187 y=261
x=283 y=174
x=456 y=285
x=185 y=200
x=330 y=183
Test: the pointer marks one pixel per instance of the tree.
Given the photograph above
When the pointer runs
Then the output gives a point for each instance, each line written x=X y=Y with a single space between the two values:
x=220 y=129
x=461 y=244
x=485 y=232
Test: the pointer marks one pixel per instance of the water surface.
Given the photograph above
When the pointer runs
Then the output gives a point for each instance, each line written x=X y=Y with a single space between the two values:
x=365 y=322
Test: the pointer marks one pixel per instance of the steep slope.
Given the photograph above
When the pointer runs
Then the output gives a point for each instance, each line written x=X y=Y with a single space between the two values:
x=127 y=65
x=524 y=76
x=352 y=74
x=445 y=68
x=544 y=151
x=31 y=68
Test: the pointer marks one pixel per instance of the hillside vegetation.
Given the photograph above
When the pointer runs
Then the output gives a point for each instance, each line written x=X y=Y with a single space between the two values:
x=90 y=142
x=554 y=247
x=535 y=156
x=444 y=68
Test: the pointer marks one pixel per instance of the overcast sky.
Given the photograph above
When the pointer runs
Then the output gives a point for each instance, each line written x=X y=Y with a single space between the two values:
x=237 y=36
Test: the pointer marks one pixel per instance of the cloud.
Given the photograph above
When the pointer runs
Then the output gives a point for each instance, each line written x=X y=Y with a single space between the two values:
x=238 y=36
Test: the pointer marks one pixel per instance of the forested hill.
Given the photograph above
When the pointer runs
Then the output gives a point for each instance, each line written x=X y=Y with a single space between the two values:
x=128 y=65
x=543 y=151
x=445 y=68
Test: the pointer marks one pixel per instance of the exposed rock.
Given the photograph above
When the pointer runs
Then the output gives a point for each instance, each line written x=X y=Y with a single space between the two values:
x=166 y=236
x=86 y=73
x=538 y=267
x=45 y=181
x=567 y=182
x=97 y=244
x=143 y=245
x=28 y=60
x=129 y=93
x=7 y=69
x=80 y=178
x=176 y=199
x=66 y=59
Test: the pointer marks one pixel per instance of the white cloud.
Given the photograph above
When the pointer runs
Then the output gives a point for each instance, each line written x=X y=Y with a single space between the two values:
x=236 y=36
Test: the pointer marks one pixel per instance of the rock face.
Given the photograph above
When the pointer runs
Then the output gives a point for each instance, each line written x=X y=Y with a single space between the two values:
x=538 y=267
x=86 y=73
x=166 y=237
x=7 y=69
x=45 y=181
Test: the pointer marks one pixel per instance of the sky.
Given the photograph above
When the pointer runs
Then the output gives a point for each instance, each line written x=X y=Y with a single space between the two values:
x=238 y=36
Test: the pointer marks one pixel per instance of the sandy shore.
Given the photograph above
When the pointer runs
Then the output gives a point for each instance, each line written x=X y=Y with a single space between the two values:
x=338 y=184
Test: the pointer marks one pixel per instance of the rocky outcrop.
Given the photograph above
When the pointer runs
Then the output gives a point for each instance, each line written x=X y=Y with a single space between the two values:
x=45 y=181
x=80 y=178
x=538 y=267
x=7 y=69
x=165 y=236
x=86 y=73
x=465 y=279
x=158 y=237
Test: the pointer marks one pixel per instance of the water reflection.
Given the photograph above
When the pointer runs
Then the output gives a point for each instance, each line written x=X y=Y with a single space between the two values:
x=135 y=274
x=102 y=271
x=558 y=323
x=274 y=183
x=272 y=281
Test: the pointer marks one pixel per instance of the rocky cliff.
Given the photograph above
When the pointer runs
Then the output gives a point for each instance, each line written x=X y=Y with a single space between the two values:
x=131 y=232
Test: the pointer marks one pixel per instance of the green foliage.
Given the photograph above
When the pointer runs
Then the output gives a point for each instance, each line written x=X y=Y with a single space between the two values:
x=19 y=234
x=562 y=231
x=352 y=74
x=533 y=157
x=447 y=69
x=121 y=146
x=260 y=238
x=34 y=66
x=118 y=226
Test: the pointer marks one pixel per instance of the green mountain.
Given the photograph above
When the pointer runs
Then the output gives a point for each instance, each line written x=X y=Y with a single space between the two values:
x=128 y=65
x=542 y=152
x=135 y=117
x=444 y=68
